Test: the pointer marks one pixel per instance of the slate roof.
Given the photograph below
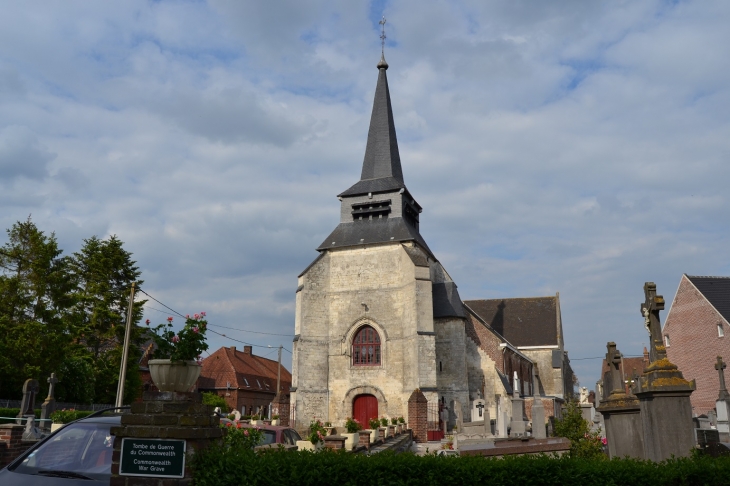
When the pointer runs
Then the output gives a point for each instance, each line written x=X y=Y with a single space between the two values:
x=716 y=290
x=373 y=231
x=528 y=321
x=381 y=168
x=446 y=300
x=241 y=370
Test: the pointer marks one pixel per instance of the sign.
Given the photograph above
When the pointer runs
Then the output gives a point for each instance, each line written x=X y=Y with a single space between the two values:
x=161 y=458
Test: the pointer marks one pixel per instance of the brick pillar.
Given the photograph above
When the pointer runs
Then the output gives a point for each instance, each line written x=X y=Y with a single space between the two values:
x=280 y=407
x=364 y=439
x=418 y=415
x=11 y=443
x=166 y=415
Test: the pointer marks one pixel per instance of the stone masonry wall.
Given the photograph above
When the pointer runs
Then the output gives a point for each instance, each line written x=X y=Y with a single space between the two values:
x=451 y=363
x=377 y=285
x=550 y=379
x=691 y=325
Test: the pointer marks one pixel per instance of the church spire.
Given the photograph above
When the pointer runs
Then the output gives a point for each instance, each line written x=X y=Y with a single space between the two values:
x=381 y=168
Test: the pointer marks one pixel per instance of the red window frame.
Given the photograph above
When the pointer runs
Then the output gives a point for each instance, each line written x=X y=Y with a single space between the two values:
x=366 y=347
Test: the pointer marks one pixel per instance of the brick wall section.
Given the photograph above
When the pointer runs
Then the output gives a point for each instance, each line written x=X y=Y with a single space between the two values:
x=691 y=325
x=547 y=403
x=485 y=339
x=418 y=416
x=11 y=443
x=166 y=415
x=280 y=406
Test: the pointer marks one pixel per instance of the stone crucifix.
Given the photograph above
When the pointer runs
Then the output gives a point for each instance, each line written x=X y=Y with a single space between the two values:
x=51 y=386
x=613 y=358
x=650 y=308
x=720 y=367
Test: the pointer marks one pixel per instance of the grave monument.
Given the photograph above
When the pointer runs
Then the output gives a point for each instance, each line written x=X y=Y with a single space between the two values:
x=666 y=412
x=49 y=405
x=621 y=413
x=538 y=411
x=518 y=427
x=722 y=405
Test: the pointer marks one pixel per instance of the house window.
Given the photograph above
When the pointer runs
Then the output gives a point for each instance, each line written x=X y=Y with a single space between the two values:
x=666 y=340
x=720 y=330
x=366 y=347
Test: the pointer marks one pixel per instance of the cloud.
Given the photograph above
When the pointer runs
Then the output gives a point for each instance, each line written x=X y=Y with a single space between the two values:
x=22 y=154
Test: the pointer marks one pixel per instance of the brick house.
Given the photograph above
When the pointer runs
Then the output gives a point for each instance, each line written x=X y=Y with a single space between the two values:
x=246 y=381
x=695 y=331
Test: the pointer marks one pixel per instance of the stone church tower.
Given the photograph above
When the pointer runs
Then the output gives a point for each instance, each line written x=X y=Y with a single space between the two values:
x=377 y=316
x=368 y=307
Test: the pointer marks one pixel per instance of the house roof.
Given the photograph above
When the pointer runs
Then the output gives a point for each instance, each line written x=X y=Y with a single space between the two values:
x=230 y=367
x=530 y=321
x=716 y=290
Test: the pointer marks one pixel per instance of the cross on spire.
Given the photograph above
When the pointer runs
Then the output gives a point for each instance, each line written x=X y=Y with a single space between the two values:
x=650 y=308
x=382 y=35
x=720 y=367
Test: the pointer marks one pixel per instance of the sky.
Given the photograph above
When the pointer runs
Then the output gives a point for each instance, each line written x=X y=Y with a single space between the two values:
x=555 y=146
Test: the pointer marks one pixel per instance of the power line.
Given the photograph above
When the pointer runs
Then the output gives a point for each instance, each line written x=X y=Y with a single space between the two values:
x=163 y=305
x=601 y=357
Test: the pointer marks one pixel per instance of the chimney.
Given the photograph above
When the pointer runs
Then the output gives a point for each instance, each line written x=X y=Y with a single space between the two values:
x=233 y=348
x=248 y=350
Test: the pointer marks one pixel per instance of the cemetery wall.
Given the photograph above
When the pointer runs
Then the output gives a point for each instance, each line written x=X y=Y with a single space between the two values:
x=376 y=285
x=692 y=327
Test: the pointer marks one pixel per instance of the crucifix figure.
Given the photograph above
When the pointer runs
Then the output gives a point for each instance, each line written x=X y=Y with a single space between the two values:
x=613 y=358
x=650 y=310
x=51 y=385
x=480 y=406
x=720 y=367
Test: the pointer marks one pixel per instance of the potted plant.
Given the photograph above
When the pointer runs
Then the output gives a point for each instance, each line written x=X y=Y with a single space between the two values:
x=275 y=419
x=329 y=429
x=352 y=437
x=374 y=424
x=176 y=362
x=59 y=418
x=384 y=427
x=256 y=420
x=315 y=438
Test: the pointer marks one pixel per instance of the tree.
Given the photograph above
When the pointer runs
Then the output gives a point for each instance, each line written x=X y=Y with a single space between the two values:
x=35 y=295
x=104 y=272
x=573 y=426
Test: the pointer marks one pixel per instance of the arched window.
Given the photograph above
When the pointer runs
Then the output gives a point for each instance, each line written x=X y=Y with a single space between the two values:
x=366 y=347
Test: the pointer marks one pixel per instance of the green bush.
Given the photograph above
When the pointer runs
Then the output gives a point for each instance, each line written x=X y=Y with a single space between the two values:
x=218 y=466
x=210 y=398
x=65 y=416
x=583 y=442
x=13 y=412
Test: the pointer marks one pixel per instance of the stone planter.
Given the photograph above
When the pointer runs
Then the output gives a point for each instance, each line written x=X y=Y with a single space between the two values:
x=275 y=422
x=351 y=440
x=257 y=422
x=179 y=376
x=329 y=431
x=373 y=435
x=305 y=445
x=267 y=422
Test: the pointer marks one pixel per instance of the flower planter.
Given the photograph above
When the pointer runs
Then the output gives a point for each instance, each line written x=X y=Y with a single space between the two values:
x=305 y=445
x=351 y=440
x=275 y=421
x=179 y=376
x=373 y=435
x=330 y=430
x=257 y=422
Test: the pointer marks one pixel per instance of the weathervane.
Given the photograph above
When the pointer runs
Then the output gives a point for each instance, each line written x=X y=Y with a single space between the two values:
x=382 y=35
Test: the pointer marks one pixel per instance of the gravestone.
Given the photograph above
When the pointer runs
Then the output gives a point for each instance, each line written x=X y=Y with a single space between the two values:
x=27 y=404
x=501 y=424
x=518 y=425
x=477 y=410
x=459 y=416
x=722 y=405
x=666 y=411
x=538 y=411
x=621 y=413
x=49 y=405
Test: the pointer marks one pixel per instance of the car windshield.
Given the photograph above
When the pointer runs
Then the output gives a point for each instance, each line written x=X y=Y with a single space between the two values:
x=83 y=449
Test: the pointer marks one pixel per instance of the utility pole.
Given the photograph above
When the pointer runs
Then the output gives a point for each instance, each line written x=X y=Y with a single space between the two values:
x=278 y=376
x=125 y=352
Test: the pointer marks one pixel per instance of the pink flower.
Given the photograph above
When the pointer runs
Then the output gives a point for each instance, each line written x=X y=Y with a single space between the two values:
x=197 y=316
x=187 y=316
x=604 y=441
x=147 y=322
x=245 y=432
x=195 y=330
x=169 y=319
x=202 y=314
x=175 y=339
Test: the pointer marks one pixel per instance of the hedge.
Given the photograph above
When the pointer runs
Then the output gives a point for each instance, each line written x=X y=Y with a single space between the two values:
x=13 y=412
x=217 y=467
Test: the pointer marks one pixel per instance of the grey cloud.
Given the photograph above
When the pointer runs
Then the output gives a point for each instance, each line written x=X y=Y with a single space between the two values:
x=22 y=154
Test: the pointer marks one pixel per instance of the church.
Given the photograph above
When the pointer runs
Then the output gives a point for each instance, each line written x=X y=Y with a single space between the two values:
x=378 y=316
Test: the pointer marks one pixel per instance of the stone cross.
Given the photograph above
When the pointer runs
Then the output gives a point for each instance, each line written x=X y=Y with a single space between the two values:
x=516 y=388
x=613 y=358
x=51 y=385
x=650 y=308
x=720 y=367
x=27 y=405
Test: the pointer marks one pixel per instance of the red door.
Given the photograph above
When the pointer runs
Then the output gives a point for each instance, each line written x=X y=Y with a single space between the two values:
x=364 y=407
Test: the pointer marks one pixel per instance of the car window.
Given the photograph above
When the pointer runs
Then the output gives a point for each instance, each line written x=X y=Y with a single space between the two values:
x=83 y=448
x=288 y=440
x=269 y=437
x=294 y=435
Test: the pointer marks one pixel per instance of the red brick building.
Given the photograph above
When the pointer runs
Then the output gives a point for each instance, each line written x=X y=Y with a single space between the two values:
x=696 y=331
x=246 y=381
x=628 y=367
